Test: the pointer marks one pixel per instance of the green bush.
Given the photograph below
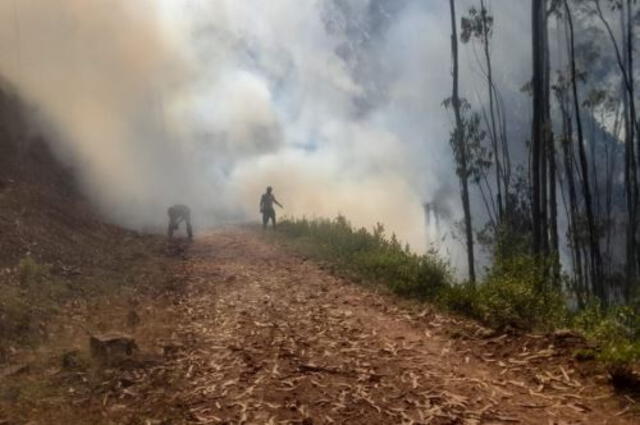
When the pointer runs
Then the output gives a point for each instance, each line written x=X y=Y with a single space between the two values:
x=512 y=295
x=370 y=255
x=462 y=298
x=509 y=297
x=616 y=331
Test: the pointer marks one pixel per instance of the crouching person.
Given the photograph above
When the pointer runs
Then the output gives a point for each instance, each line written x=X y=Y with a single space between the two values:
x=177 y=214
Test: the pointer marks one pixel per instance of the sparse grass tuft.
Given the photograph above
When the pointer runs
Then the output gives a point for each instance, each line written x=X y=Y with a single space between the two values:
x=30 y=272
x=25 y=305
x=370 y=255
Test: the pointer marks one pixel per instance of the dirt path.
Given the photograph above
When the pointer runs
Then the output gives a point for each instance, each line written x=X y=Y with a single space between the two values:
x=275 y=339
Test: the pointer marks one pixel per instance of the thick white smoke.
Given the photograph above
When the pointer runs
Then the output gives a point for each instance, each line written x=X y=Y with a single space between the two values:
x=97 y=71
x=337 y=104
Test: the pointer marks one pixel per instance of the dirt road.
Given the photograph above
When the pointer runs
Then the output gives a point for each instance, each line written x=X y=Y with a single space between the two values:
x=271 y=338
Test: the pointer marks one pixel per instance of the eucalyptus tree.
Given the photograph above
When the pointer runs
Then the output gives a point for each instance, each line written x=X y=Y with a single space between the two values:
x=459 y=145
x=624 y=55
x=594 y=244
x=478 y=25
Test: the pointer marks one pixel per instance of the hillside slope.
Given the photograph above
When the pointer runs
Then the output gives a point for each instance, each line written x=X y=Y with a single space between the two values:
x=42 y=213
x=64 y=272
x=54 y=247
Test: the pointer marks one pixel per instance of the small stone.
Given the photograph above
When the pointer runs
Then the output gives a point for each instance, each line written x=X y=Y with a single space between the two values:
x=109 y=348
x=70 y=360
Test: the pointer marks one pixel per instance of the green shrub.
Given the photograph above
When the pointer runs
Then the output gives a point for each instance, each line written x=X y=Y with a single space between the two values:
x=616 y=331
x=461 y=299
x=509 y=296
x=512 y=295
x=371 y=255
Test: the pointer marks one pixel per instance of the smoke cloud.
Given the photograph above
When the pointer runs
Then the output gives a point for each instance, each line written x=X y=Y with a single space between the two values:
x=337 y=104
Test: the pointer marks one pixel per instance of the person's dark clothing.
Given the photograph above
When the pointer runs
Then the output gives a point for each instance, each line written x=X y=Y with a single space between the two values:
x=268 y=211
x=177 y=214
x=268 y=215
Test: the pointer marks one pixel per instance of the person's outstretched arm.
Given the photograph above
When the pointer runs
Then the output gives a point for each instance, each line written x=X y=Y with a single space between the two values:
x=277 y=203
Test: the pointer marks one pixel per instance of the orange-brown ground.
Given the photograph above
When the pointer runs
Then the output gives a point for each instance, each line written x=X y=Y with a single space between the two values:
x=270 y=338
x=256 y=335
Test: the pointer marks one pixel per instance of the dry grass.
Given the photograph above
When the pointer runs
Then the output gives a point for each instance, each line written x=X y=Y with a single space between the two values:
x=63 y=270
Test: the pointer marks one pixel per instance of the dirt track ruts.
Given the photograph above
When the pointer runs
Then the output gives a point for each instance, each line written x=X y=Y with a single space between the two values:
x=273 y=338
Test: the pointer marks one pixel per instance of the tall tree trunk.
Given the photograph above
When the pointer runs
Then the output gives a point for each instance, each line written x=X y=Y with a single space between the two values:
x=506 y=157
x=593 y=160
x=573 y=198
x=492 y=114
x=569 y=161
x=632 y=97
x=551 y=213
x=461 y=144
x=594 y=248
x=537 y=133
x=544 y=199
x=552 y=166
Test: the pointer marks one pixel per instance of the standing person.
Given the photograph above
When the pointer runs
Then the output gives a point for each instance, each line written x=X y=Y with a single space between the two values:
x=177 y=214
x=266 y=207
